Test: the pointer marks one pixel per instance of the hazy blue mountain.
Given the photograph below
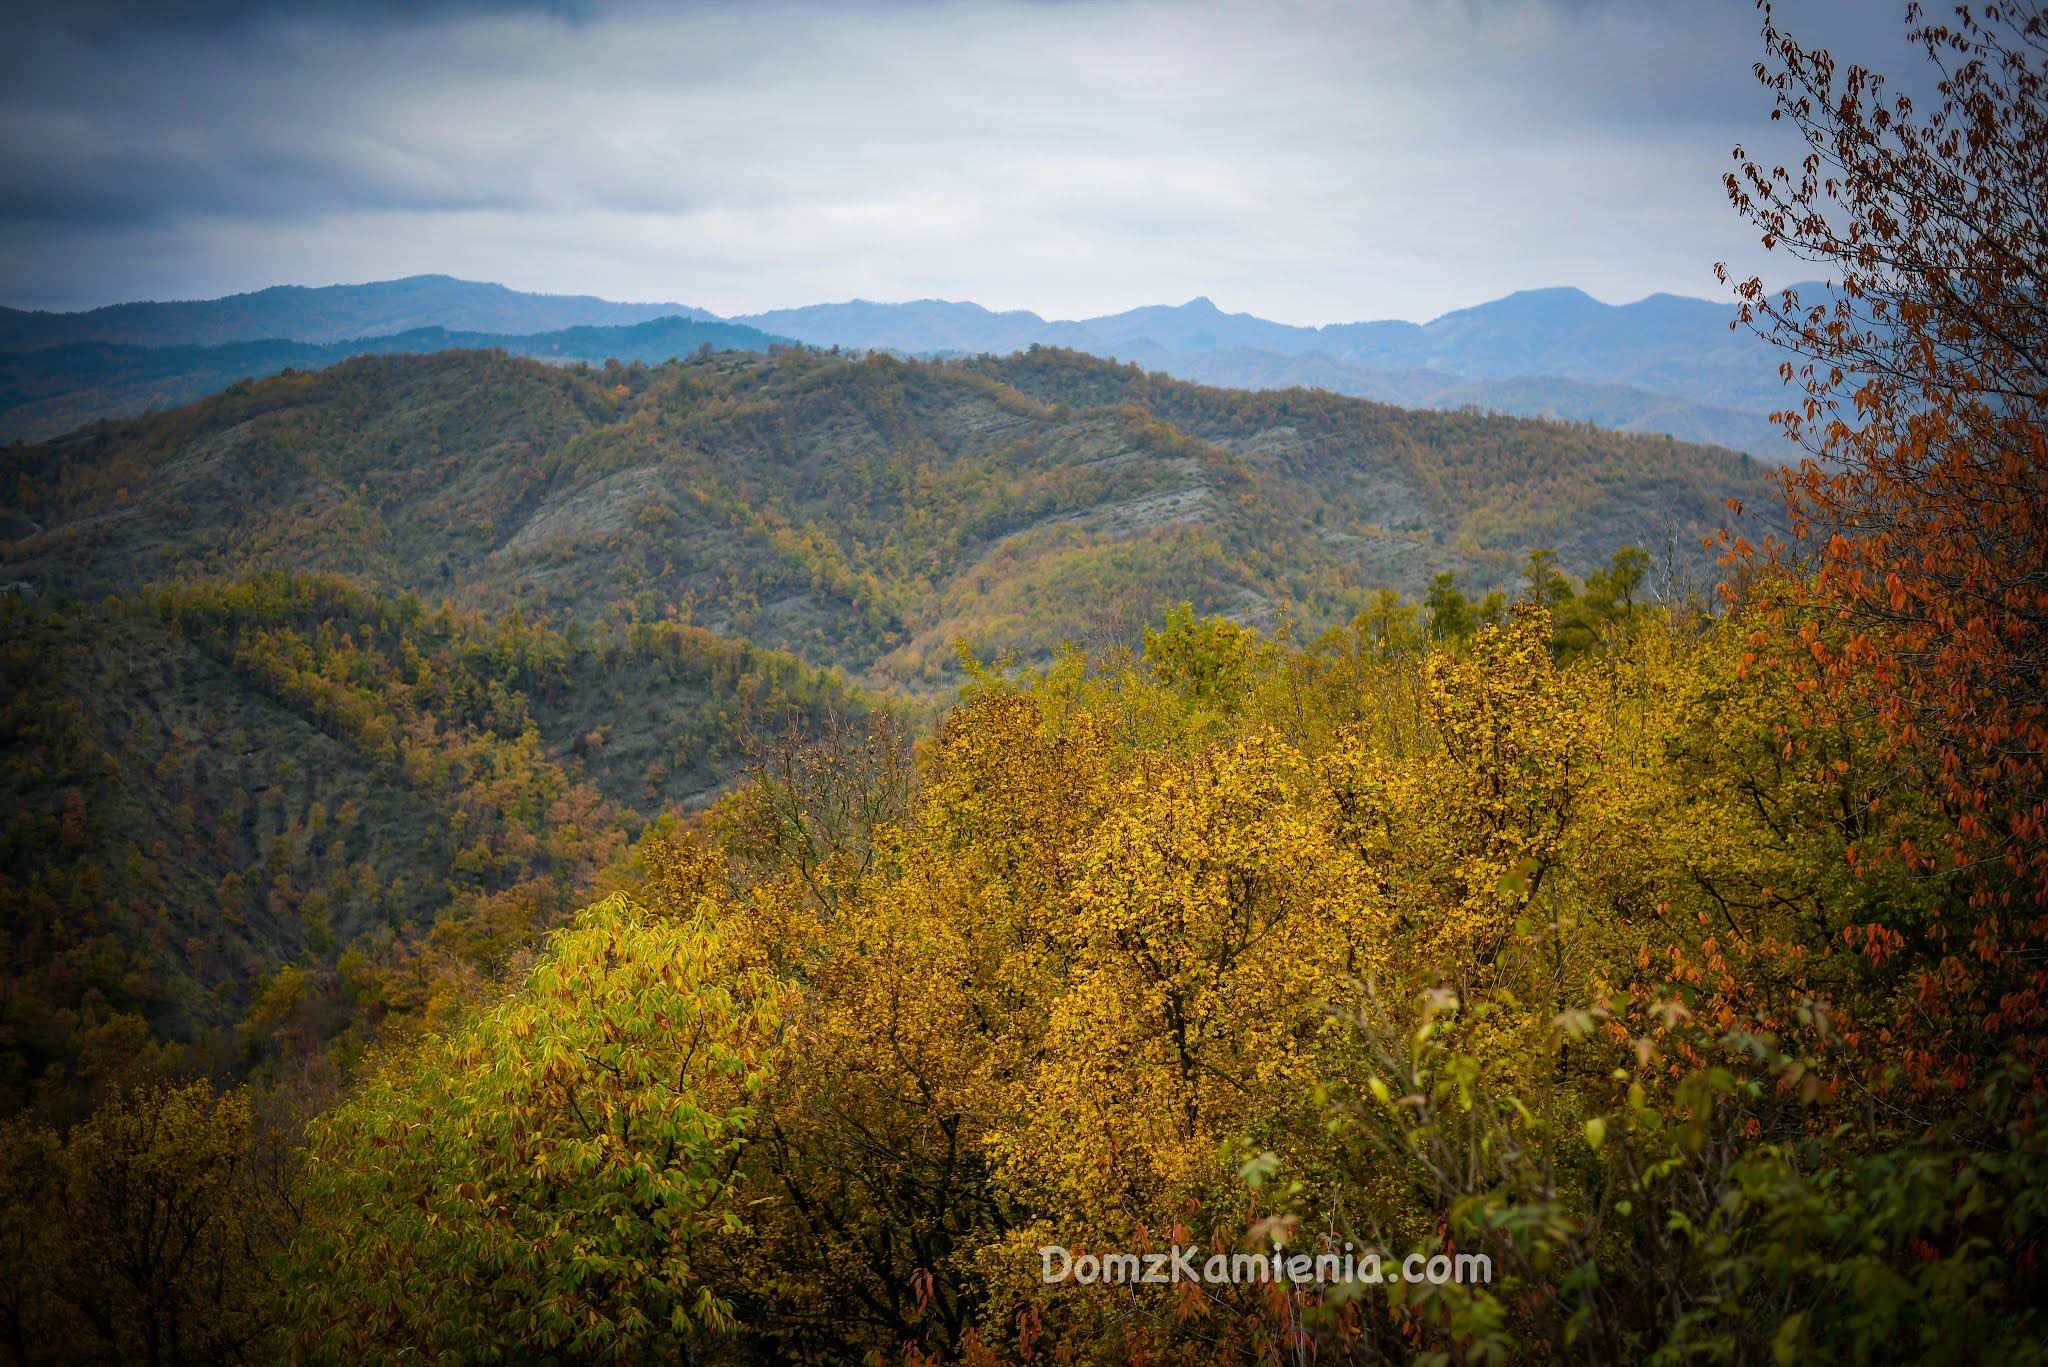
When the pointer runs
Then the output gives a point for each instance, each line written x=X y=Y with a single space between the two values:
x=1622 y=408
x=1664 y=342
x=55 y=389
x=921 y=326
x=1199 y=325
x=933 y=326
x=651 y=341
x=329 y=313
x=1252 y=368
x=1661 y=364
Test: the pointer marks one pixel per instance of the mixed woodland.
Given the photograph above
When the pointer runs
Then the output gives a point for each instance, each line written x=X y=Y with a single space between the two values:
x=726 y=860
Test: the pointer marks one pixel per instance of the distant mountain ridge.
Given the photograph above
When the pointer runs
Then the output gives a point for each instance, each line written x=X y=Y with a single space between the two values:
x=1619 y=407
x=1563 y=332
x=52 y=390
x=330 y=313
x=1665 y=363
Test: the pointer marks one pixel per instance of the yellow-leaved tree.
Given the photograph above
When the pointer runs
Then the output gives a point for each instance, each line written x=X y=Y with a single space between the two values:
x=540 y=1180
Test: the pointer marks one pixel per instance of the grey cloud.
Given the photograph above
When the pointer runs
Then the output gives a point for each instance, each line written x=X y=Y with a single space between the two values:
x=1317 y=161
x=109 y=18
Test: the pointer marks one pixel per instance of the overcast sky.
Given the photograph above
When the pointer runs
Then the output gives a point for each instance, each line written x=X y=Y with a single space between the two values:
x=1311 y=162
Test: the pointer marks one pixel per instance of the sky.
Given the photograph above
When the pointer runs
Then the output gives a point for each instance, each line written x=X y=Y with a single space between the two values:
x=1312 y=162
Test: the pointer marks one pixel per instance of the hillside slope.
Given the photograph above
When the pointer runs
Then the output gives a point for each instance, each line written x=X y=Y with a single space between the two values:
x=265 y=813
x=862 y=514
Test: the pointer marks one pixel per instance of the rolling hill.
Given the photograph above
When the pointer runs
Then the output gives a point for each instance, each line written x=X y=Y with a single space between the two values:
x=860 y=513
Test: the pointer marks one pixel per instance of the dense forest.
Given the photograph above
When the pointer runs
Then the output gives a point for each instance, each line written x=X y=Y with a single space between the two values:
x=792 y=858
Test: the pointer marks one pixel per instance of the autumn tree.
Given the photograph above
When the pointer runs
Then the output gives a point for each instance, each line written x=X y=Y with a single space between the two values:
x=539 y=1181
x=815 y=803
x=1211 y=660
x=148 y=1234
x=1921 y=518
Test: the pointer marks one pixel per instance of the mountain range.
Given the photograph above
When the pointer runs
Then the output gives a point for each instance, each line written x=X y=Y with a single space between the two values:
x=1663 y=364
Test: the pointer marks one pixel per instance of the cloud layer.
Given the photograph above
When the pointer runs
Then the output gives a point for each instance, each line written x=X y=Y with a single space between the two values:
x=1312 y=162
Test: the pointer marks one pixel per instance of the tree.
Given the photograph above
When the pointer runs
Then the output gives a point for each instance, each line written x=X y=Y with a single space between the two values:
x=1450 y=614
x=146 y=1235
x=1547 y=587
x=1922 y=517
x=536 y=1181
x=1611 y=592
x=1212 y=661
x=816 y=804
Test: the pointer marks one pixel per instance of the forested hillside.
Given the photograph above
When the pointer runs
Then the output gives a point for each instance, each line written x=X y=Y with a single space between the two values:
x=260 y=813
x=863 y=514
x=368 y=672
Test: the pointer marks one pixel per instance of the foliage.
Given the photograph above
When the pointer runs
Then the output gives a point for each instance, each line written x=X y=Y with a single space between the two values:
x=540 y=1180
x=1924 y=392
x=146 y=1235
x=1479 y=949
x=277 y=816
x=1211 y=663
x=1707 y=1214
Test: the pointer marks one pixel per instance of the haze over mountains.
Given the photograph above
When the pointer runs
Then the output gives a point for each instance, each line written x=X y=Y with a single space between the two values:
x=1664 y=364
